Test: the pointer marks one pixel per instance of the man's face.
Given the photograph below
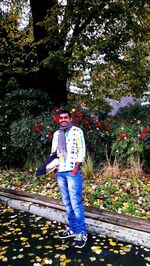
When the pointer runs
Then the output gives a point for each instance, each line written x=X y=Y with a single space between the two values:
x=64 y=119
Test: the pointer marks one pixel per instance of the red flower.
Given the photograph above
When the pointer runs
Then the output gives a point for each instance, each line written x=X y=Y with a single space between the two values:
x=107 y=121
x=86 y=124
x=36 y=128
x=77 y=124
x=56 y=119
x=56 y=111
x=78 y=114
x=122 y=136
x=49 y=134
x=97 y=138
x=146 y=130
x=118 y=118
x=99 y=125
x=142 y=135
x=127 y=121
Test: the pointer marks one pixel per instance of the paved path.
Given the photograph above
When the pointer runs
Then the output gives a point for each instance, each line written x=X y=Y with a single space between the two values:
x=29 y=240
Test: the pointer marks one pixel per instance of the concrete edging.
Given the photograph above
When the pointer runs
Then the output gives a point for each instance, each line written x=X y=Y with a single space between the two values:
x=94 y=225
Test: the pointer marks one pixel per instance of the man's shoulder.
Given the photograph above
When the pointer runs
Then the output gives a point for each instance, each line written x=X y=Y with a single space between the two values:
x=56 y=133
x=76 y=129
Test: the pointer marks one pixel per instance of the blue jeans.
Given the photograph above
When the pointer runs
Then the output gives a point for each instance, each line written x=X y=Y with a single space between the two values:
x=71 y=191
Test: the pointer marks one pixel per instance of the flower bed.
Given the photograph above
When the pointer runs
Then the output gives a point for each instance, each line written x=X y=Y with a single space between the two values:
x=124 y=194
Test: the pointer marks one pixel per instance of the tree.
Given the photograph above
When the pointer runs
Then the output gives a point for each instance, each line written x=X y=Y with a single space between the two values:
x=75 y=37
x=72 y=36
x=18 y=54
x=50 y=78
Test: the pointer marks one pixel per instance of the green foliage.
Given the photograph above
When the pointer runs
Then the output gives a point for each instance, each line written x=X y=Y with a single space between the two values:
x=19 y=103
x=126 y=146
x=92 y=37
x=125 y=137
x=34 y=136
x=17 y=49
x=102 y=47
x=131 y=135
x=18 y=54
x=121 y=196
x=16 y=107
x=99 y=47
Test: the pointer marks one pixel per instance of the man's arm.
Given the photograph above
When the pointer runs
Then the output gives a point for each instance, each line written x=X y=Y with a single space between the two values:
x=54 y=143
x=81 y=152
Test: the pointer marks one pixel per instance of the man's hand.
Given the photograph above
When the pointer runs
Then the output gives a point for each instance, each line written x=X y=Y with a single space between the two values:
x=74 y=172
x=75 y=169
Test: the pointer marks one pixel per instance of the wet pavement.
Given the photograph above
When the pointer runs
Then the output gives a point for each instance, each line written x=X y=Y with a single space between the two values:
x=29 y=240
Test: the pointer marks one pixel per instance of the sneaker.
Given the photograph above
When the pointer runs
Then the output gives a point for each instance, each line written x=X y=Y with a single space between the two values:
x=80 y=240
x=66 y=234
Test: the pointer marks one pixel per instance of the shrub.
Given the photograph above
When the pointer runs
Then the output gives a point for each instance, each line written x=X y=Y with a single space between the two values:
x=131 y=135
x=15 y=106
x=125 y=136
x=33 y=136
x=126 y=146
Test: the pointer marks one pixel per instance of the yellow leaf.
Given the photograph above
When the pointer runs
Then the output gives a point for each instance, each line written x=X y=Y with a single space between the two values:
x=3 y=252
x=63 y=257
x=125 y=205
x=39 y=247
x=96 y=249
x=36 y=235
x=112 y=243
x=23 y=238
x=17 y=229
x=5 y=259
x=116 y=251
x=20 y=256
x=92 y=258
x=147 y=258
x=44 y=232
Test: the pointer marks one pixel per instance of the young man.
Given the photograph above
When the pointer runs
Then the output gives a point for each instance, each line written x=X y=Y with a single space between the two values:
x=70 y=145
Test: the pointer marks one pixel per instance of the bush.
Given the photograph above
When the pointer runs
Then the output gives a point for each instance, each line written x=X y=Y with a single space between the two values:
x=33 y=136
x=131 y=135
x=125 y=136
x=15 y=106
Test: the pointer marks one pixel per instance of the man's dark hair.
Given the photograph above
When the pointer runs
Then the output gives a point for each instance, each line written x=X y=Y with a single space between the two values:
x=65 y=112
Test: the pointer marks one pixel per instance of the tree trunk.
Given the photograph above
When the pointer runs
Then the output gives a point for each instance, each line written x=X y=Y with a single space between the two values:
x=50 y=79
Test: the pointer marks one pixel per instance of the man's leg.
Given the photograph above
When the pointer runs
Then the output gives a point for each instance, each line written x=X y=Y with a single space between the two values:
x=63 y=186
x=75 y=196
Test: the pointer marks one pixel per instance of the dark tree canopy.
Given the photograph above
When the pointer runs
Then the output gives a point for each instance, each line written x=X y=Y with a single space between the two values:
x=106 y=39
